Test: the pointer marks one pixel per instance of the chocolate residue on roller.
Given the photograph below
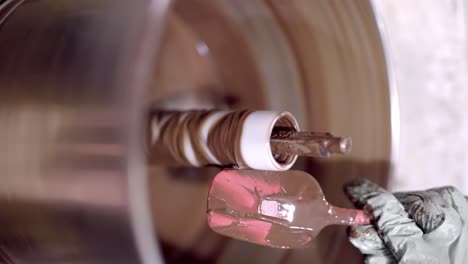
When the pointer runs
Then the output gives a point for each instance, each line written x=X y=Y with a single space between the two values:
x=224 y=138
x=172 y=132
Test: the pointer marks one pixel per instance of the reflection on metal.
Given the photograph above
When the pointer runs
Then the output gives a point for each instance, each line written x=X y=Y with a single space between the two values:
x=72 y=78
x=392 y=87
x=7 y=7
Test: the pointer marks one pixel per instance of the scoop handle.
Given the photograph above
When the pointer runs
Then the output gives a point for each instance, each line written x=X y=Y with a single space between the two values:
x=349 y=217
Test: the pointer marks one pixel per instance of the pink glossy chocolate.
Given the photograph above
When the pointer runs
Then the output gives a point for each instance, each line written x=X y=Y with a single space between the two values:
x=276 y=209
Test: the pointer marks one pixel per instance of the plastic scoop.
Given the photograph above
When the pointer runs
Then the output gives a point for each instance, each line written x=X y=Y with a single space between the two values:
x=277 y=209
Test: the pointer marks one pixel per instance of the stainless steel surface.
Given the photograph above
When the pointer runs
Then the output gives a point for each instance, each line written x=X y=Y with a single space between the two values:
x=72 y=174
x=321 y=60
x=71 y=85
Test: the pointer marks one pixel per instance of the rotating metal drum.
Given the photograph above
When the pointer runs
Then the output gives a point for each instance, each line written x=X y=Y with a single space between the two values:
x=77 y=77
x=323 y=61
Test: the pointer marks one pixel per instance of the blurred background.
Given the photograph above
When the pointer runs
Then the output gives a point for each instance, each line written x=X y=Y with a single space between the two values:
x=428 y=50
x=77 y=79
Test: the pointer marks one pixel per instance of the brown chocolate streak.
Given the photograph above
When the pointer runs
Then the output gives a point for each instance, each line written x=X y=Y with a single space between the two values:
x=223 y=138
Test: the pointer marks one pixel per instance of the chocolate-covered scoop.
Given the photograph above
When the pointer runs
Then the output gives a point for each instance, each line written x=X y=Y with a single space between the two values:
x=277 y=209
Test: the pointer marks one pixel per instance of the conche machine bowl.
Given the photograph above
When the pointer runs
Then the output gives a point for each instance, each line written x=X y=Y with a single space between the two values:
x=77 y=79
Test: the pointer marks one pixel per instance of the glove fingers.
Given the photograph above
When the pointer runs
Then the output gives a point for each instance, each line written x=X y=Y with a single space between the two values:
x=380 y=260
x=425 y=208
x=360 y=190
x=367 y=240
x=390 y=217
x=449 y=194
x=455 y=210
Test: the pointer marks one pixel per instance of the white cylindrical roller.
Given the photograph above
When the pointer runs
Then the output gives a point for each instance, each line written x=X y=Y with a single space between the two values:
x=255 y=140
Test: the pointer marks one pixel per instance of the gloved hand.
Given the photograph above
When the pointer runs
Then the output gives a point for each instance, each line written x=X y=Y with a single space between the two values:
x=416 y=227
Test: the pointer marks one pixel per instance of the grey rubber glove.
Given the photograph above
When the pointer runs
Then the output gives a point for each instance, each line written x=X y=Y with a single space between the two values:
x=415 y=227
